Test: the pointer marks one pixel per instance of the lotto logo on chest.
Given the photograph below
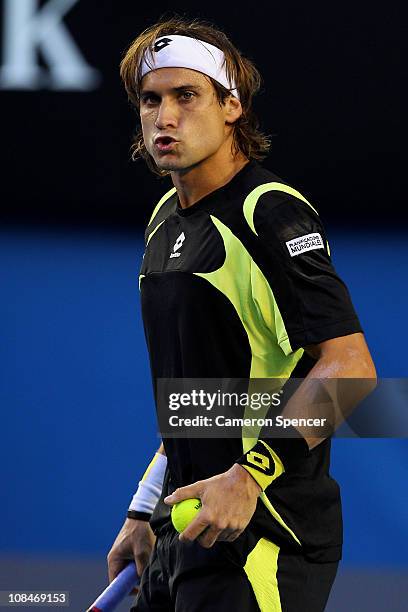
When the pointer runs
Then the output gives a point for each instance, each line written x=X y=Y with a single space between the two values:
x=309 y=242
x=177 y=246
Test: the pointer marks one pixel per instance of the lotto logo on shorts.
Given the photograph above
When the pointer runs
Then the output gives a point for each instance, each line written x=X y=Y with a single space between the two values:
x=304 y=243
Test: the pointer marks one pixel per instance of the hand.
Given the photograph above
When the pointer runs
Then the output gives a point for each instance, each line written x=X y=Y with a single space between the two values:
x=228 y=504
x=134 y=541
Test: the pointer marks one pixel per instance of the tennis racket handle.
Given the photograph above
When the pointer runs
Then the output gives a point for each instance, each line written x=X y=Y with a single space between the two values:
x=116 y=591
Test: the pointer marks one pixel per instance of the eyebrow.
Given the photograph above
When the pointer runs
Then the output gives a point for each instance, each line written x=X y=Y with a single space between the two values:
x=177 y=89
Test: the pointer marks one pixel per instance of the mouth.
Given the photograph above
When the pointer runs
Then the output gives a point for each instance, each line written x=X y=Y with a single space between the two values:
x=164 y=143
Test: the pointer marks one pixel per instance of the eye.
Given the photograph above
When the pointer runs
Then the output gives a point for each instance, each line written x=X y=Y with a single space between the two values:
x=149 y=99
x=187 y=95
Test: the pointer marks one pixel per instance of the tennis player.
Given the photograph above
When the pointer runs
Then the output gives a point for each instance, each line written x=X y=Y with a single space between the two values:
x=236 y=282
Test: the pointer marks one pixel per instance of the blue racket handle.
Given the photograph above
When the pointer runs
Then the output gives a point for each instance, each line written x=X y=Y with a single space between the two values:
x=116 y=591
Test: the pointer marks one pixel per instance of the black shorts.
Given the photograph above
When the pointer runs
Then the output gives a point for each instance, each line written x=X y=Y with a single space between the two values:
x=247 y=575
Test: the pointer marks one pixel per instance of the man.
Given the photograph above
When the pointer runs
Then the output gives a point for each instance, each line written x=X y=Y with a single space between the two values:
x=236 y=282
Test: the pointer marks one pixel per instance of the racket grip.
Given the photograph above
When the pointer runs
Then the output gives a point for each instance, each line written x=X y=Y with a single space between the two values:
x=118 y=589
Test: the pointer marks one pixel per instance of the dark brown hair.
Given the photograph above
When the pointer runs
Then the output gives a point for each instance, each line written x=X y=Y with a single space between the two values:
x=247 y=138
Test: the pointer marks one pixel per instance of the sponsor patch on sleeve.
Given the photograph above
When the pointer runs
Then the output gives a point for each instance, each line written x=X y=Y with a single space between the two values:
x=304 y=244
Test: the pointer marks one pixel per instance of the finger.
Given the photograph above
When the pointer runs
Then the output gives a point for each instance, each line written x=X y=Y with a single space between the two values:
x=141 y=561
x=229 y=535
x=209 y=537
x=115 y=567
x=195 y=528
x=188 y=492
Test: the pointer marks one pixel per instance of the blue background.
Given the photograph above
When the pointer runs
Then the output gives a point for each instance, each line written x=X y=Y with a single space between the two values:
x=78 y=421
x=77 y=417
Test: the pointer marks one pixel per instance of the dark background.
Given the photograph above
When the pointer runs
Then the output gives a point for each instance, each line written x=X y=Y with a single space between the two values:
x=333 y=98
x=78 y=424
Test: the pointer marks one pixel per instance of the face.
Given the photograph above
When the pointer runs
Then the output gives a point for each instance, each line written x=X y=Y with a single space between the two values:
x=182 y=120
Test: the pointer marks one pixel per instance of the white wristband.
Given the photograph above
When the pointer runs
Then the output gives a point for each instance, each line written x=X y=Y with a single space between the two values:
x=150 y=487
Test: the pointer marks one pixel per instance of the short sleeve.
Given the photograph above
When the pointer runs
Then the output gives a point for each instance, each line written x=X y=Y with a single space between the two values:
x=313 y=301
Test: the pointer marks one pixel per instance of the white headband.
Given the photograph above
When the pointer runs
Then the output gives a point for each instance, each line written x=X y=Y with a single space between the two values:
x=174 y=51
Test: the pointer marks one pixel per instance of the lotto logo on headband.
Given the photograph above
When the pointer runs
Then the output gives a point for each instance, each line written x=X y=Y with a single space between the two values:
x=187 y=52
x=161 y=43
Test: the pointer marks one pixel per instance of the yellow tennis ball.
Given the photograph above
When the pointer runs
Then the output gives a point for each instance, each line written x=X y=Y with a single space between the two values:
x=184 y=512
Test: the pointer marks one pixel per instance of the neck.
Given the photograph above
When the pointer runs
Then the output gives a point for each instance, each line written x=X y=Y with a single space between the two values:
x=207 y=176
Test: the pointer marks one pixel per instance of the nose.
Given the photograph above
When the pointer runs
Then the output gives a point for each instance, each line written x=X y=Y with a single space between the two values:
x=166 y=115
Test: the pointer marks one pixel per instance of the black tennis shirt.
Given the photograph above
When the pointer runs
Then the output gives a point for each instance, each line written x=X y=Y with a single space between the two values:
x=236 y=286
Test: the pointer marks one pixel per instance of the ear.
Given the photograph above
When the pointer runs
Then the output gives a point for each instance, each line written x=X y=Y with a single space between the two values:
x=233 y=109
